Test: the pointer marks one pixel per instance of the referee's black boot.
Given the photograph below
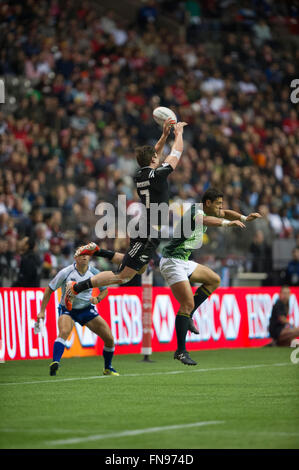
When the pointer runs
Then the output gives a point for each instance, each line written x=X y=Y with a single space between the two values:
x=54 y=367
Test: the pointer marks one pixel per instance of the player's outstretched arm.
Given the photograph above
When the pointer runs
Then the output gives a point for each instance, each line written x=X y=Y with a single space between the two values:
x=211 y=221
x=253 y=216
x=159 y=147
x=45 y=301
x=233 y=215
x=178 y=145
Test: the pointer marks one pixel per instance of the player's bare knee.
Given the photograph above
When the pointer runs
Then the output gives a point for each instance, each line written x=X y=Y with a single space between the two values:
x=107 y=337
x=214 y=283
x=217 y=281
x=109 y=342
x=64 y=333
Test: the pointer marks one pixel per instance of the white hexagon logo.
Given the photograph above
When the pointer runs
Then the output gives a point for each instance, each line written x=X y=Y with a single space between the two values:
x=163 y=318
x=230 y=316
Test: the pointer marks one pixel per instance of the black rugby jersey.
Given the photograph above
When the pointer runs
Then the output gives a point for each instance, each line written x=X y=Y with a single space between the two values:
x=152 y=188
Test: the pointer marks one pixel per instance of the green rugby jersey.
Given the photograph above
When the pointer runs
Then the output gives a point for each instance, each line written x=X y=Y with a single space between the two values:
x=182 y=247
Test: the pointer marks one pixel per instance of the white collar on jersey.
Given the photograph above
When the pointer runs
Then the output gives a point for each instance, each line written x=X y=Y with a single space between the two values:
x=75 y=266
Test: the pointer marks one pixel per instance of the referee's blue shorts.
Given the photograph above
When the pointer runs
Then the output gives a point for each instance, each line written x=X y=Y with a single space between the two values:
x=79 y=315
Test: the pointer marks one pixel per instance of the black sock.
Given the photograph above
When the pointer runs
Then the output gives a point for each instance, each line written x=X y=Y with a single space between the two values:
x=109 y=254
x=83 y=285
x=199 y=297
x=181 y=328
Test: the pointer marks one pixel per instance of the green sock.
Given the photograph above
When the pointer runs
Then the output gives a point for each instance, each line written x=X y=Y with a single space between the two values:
x=200 y=296
x=181 y=328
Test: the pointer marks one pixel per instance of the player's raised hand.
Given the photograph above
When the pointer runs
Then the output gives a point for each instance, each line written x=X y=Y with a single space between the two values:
x=167 y=126
x=253 y=216
x=236 y=223
x=179 y=127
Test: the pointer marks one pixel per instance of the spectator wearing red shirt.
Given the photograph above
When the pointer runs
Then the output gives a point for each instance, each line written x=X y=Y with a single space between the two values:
x=51 y=262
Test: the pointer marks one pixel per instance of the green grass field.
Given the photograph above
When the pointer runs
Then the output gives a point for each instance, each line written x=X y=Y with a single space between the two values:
x=238 y=398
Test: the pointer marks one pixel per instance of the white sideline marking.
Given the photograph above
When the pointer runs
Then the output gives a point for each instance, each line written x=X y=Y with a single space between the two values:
x=38 y=430
x=273 y=433
x=70 y=431
x=134 y=432
x=93 y=377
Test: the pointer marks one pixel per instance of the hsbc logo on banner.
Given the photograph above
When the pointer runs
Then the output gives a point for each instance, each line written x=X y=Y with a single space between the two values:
x=204 y=318
x=259 y=309
x=126 y=318
x=230 y=316
x=163 y=318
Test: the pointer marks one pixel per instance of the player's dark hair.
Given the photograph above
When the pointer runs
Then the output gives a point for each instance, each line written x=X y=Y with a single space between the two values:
x=144 y=155
x=211 y=194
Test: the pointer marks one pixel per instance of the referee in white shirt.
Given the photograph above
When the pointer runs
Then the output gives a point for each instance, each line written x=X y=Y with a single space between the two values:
x=83 y=311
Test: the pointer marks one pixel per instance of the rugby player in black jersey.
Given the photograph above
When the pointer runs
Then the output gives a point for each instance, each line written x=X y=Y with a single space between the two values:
x=152 y=187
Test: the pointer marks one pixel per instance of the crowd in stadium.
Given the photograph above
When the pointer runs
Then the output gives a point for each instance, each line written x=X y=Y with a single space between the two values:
x=83 y=86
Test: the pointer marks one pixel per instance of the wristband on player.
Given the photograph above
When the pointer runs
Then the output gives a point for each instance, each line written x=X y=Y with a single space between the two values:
x=105 y=253
x=243 y=218
x=225 y=222
x=175 y=153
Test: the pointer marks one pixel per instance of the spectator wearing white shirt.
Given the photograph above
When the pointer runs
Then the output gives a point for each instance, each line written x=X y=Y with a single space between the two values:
x=275 y=220
x=262 y=32
x=246 y=85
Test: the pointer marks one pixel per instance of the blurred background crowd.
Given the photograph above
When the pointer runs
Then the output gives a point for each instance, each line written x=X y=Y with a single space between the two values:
x=82 y=79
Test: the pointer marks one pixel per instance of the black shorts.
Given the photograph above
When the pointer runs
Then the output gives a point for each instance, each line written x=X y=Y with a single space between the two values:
x=139 y=253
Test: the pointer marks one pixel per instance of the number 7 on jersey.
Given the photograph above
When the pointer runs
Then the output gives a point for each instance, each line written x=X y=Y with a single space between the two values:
x=147 y=197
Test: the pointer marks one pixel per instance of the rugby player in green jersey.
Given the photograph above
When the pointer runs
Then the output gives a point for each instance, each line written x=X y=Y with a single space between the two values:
x=178 y=271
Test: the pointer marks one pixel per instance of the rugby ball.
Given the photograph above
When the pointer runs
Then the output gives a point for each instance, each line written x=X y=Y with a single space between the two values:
x=161 y=113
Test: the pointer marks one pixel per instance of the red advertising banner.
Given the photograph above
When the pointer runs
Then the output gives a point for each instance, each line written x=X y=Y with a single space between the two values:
x=18 y=311
x=230 y=317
